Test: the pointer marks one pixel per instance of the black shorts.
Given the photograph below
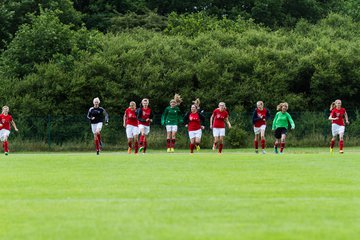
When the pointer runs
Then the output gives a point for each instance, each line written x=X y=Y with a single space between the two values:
x=280 y=131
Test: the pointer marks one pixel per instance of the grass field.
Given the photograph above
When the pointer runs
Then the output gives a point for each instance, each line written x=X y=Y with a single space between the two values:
x=303 y=194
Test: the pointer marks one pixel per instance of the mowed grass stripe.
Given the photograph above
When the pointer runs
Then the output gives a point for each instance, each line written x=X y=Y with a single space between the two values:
x=178 y=196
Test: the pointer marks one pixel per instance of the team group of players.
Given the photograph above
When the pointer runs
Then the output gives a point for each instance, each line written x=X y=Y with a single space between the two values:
x=137 y=122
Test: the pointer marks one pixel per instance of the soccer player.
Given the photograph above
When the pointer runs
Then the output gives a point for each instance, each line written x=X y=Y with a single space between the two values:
x=5 y=120
x=337 y=115
x=217 y=124
x=194 y=122
x=280 y=125
x=130 y=122
x=144 y=116
x=259 y=118
x=171 y=119
x=96 y=115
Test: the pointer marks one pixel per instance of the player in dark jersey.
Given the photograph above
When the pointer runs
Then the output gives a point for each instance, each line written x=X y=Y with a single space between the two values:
x=5 y=120
x=96 y=117
x=144 y=116
x=259 y=118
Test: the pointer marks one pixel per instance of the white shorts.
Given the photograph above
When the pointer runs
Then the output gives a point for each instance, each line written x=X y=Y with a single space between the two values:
x=96 y=127
x=218 y=132
x=171 y=128
x=337 y=129
x=146 y=129
x=195 y=134
x=4 y=133
x=257 y=130
x=131 y=131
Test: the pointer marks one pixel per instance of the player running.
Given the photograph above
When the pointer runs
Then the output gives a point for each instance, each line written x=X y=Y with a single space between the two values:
x=5 y=120
x=217 y=124
x=194 y=122
x=337 y=115
x=144 y=116
x=259 y=118
x=96 y=115
x=171 y=119
x=130 y=122
x=280 y=125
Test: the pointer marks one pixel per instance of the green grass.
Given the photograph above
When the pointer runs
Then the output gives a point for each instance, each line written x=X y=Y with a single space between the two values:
x=303 y=194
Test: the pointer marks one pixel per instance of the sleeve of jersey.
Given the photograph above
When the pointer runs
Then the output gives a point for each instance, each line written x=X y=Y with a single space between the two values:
x=202 y=118
x=267 y=114
x=291 y=121
x=106 y=116
x=89 y=114
x=163 y=116
x=274 y=121
x=186 y=118
x=255 y=117
x=139 y=115
x=179 y=116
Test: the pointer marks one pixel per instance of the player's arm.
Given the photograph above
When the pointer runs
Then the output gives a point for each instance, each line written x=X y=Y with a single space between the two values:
x=139 y=114
x=89 y=116
x=331 y=116
x=228 y=122
x=186 y=119
x=180 y=116
x=202 y=119
x=124 y=120
x=291 y=121
x=346 y=118
x=267 y=114
x=255 y=117
x=211 y=121
x=106 y=116
x=163 y=116
x=151 y=116
x=274 y=121
x=14 y=125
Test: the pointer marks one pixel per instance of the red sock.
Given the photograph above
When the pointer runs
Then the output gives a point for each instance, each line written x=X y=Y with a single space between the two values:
x=130 y=144
x=341 y=144
x=136 y=147
x=168 y=143
x=142 y=139
x=97 y=145
x=220 y=147
x=145 y=146
x=276 y=145
x=6 y=146
x=99 y=137
x=192 y=146
x=173 y=143
x=282 y=146
x=332 y=144
x=215 y=144
x=256 y=144
x=263 y=144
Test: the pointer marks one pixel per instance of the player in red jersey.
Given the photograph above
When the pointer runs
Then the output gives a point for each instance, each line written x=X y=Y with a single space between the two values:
x=131 y=124
x=194 y=122
x=217 y=124
x=337 y=115
x=5 y=120
x=144 y=116
x=259 y=118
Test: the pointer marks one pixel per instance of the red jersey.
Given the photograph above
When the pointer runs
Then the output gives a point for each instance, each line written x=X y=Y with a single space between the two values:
x=194 y=122
x=5 y=121
x=339 y=113
x=145 y=114
x=131 y=118
x=219 y=118
x=262 y=115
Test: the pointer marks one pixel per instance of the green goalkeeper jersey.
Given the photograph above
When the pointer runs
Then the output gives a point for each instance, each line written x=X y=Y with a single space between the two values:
x=282 y=120
x=171 y=116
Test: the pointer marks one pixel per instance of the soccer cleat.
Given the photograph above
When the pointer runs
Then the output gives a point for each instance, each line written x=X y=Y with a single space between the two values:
x=197 y=147
x=6 y=153
x=331 y=150
x=341 y=151
x=256 y=151
x=263 y=151
x=214 y=147
x=97 y=152
x=129 y=150
x=168 y=150
x=172 y=150
x=276 y=150
x=141 y=149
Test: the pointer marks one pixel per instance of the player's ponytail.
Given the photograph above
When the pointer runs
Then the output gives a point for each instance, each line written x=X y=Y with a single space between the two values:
x=197 y=102
x=177 y=98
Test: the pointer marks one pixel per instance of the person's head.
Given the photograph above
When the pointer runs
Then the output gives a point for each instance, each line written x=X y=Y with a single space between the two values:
x=196 y=102
x=336 y=104
x=145 y=102
x=222 y=106
x=96 y=102
x=283 y=107
x=172 y=103
x=260 y=105
x=5 y=109
x=194 y=108
x=132 y=105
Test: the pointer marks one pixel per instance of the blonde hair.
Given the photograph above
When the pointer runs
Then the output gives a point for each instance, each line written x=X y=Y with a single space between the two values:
x=279 y=107
x=259 y=102
x=196 y=102
x=177 y=99
x=145 y=100
x=5 y=107
x=333 y=104
x=96 y=99
x=132 y=103
x=222 y=103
